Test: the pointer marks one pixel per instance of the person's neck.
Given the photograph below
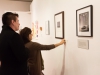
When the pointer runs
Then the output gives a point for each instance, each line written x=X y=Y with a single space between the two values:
x=12 y=27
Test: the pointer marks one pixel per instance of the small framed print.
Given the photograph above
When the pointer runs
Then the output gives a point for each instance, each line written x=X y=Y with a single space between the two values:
x=84 y=44
x=59 y=25
x=84 y=21
x=47 y=28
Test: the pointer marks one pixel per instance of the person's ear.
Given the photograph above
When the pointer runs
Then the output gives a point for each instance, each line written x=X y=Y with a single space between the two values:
x=12 y=22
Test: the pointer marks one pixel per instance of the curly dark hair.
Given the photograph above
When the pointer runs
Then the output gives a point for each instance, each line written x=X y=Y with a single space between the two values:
x=24 y=33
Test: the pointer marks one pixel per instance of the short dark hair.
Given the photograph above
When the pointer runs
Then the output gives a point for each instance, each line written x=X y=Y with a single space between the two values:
x=8 y=16
x=24 y=33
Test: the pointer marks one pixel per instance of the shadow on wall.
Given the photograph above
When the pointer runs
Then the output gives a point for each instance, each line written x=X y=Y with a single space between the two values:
x=63 y=64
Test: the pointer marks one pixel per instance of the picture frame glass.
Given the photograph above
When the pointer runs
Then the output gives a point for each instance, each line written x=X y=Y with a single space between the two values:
x=47 y=28
x=59 y=25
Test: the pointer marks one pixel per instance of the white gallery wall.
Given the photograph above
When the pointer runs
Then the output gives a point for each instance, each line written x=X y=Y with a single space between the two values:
x=13 y=6
x=77 y=61
x=24 y=19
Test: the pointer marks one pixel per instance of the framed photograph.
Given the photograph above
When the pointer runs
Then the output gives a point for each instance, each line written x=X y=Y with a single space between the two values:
x=84 y=21
x=59 y=25
x=47 y=28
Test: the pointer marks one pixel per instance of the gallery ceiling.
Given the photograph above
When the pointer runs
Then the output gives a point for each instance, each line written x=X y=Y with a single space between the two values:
x=22 y=0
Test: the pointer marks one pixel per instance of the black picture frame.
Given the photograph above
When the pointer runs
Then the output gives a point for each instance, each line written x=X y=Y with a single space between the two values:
x=84 y=21
x=59 y=25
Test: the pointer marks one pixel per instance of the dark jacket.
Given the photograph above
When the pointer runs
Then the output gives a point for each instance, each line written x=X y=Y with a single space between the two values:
x=35 y=58
x=13 y=54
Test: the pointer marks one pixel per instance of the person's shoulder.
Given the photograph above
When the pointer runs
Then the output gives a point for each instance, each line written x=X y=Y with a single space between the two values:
x=16 y=34
x=12 y=33
x=8 y=34
x=31 y=43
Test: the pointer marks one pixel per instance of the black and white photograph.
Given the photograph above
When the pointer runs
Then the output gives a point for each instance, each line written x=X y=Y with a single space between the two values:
x=59 y=25
x=84 y=21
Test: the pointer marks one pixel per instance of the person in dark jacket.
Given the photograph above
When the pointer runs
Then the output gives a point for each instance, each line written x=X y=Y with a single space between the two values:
x=13 y=54
x=35 y=61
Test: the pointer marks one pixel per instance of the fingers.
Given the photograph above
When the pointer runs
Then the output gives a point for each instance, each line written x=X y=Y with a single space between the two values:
x=64 y=40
